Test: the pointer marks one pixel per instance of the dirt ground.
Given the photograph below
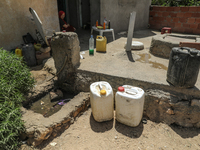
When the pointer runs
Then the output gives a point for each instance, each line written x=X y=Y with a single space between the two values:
x=87 y=134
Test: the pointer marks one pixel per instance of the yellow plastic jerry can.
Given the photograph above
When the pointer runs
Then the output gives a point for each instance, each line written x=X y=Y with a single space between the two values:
x=101 y=43
x=18 y=52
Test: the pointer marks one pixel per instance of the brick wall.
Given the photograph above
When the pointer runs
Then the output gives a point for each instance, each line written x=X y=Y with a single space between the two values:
x=180 y=19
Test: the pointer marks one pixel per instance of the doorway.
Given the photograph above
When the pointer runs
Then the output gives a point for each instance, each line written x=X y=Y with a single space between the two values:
x=77 y=12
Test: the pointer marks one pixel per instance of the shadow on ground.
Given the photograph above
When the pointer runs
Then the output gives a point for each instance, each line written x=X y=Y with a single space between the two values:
x=185 y=132
x=84 y=36
x=132 y=132
x=100 y=126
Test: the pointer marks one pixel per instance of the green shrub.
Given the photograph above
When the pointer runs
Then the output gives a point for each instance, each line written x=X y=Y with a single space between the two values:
x=15 y=81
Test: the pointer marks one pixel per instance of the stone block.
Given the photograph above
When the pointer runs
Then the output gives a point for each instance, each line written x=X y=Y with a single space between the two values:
x=162 y=47
x=66 y=54
x=195 y=102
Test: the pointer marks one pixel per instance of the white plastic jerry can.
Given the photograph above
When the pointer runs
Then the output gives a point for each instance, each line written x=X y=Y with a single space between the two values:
x=102 y=102
x=129 y=103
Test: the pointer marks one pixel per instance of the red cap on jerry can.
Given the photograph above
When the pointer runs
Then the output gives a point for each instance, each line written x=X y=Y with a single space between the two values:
x=121 y=89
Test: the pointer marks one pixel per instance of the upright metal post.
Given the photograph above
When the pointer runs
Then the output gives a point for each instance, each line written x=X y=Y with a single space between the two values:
x=130 y=30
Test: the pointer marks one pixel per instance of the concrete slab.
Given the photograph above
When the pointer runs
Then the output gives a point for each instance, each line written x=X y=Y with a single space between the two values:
x=116 y=62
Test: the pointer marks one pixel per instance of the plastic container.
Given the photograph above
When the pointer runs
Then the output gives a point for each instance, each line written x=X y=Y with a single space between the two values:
x=183 y=68
x=102 y=103
x=97 y=23
x=104 y=25
x=37 y=46
x=129 y=103
x=28 y=52
x=18 y=52
x=91 y=45
x=101 y=43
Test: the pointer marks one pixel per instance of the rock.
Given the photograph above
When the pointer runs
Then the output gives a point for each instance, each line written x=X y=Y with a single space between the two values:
x=66 y=54
x=170 y=111
x=56 y=95
x=41 y=56
x=161 y=46
x=180 y=112
x=45 y=50
x=49 y=65
x=195 y=102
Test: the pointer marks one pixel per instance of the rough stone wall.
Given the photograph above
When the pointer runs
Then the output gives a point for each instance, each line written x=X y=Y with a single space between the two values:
x=39 y=128
x=162 y=103
x=180 y=19
x=85 y=78
x=171 y=109
x=66 y=54
x=118 y=12
x=16 y=20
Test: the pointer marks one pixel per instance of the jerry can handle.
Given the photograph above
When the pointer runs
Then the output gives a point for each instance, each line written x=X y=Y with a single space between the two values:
x=99 y=37
x=25 y=40
x=191 y=51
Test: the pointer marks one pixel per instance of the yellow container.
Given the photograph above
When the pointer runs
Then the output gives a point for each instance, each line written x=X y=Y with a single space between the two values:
x=37 y=46
x=18 y=52
x=101 y=43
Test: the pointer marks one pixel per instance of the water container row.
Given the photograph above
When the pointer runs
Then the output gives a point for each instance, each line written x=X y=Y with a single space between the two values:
x=129 y=103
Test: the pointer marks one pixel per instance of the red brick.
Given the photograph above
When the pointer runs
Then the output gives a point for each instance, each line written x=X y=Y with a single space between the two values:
x=171 y=25
x=159 y=18
x=184 y=9
x=194 y=26
x=169 y=8
x=188 y=30
x=195 y=14
x=156 y=8
x=180 y=14
x=159 y=14
x=191 y=20
x=179 y=30
x=193 y=9
x=187 y=15
x=178 y=25
x=190 y=44
x=168 y=19
x=152 y=13
x=198 y=9
x=197 y=20
x=173 y=14
x=196 y=31
x=185 y=25
x=175 y=20
x=151 y=22
x=163 y=8
x=176 y=9
x=183 y=20
x=198 y=26
x=165 y=14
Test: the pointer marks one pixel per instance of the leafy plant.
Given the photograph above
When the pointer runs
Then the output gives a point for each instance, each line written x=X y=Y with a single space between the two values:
x=15 y=81
x=15 y=77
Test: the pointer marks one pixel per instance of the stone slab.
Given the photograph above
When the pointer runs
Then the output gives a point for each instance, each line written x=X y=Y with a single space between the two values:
x=115 y=62
x=39 y=128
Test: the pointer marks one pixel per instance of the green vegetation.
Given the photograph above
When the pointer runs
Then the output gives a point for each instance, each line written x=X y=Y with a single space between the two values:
x=15 y=82
x=176 y=2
